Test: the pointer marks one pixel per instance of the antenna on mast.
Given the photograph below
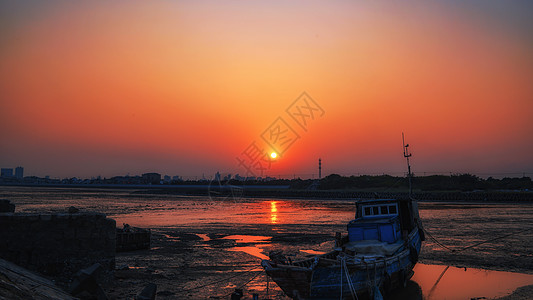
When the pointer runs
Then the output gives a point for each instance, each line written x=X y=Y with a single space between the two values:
x=406 y=154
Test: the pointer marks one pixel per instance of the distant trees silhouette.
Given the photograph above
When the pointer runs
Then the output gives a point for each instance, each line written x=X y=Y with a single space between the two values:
x=456 y=182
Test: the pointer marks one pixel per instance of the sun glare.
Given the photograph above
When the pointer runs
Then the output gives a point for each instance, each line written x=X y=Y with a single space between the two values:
x=273 y=155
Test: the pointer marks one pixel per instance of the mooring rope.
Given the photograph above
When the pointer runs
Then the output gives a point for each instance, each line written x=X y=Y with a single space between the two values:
x=348 y=279
x=221 y=280
x=476 y=244
x=244 y=284
x=341 y=278
x=250 y=280
x=437 y=241
x=437 y=282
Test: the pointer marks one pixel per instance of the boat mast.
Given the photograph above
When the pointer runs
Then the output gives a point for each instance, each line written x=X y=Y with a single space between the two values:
x=406 y=154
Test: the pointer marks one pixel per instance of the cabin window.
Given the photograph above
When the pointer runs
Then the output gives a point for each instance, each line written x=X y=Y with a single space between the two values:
x=380 y=210
x=367 y=211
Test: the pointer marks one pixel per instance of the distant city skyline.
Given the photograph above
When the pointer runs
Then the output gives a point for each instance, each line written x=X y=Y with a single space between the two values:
x=228 y=175
x=184 y=87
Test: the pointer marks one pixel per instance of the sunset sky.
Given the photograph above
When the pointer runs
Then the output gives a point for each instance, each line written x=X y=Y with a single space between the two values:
x=184 y=87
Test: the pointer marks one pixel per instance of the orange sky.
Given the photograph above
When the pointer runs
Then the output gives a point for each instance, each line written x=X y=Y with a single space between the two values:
x=183 y=87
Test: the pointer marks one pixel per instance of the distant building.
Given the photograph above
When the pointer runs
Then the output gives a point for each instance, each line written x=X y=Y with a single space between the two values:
x=6 y=172
x=167 y=179
x=152 y=178
x=19 y=172
x=217 y=176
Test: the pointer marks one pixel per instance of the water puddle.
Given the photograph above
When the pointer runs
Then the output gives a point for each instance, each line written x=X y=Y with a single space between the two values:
x=171 y=238
x=248 y=238
x=312 y=252
x=204 y=237
x=443 y=282
x=254 y=250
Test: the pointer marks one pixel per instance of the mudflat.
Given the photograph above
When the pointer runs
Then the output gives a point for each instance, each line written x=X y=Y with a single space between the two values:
x=206 y=247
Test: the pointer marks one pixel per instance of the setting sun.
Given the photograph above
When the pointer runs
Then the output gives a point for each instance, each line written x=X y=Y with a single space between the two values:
x=225 y=75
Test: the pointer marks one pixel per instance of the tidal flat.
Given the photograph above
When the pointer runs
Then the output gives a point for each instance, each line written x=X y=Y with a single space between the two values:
x=206 y=247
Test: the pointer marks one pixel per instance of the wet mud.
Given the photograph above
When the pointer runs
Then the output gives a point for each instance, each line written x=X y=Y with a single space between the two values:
x=508 y=228
x=197 y=253
x=181 y=262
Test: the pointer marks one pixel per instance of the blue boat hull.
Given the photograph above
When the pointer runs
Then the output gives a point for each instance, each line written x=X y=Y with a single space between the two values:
x=388 y=273
x=335 y=275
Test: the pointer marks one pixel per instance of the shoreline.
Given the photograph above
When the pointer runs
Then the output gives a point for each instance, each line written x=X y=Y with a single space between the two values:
x=285 y=193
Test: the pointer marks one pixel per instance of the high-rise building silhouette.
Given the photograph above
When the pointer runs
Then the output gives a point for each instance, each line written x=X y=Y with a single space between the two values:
x=6 y=172
x=19 y=172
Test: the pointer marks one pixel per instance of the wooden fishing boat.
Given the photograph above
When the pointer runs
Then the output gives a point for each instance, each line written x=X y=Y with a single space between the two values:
x=376 y=256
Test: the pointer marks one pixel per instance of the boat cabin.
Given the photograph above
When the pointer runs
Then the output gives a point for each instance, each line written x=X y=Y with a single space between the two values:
x=381 y=219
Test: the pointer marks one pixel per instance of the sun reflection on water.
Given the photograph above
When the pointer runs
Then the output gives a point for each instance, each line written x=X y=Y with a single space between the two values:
x=273 y=212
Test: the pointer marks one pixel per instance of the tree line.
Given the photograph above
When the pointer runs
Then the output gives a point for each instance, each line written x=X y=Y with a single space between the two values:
x=456 y=182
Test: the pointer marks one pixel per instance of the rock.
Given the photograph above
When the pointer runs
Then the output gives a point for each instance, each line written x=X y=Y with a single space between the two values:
x=148 y=293
x=73 y=210
x=237 y=295
x=84 y=284
x=6 y=206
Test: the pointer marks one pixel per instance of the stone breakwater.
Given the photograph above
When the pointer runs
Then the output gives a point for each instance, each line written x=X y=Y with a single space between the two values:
x=59 y=245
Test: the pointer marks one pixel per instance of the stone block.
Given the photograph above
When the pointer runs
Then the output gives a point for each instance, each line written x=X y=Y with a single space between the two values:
x=111 y=234
x=58 y=244
x=30 y=218
x=6 y=206
x=83 y=233
x=69 y=233
x=148 y=293
x=46 y=217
